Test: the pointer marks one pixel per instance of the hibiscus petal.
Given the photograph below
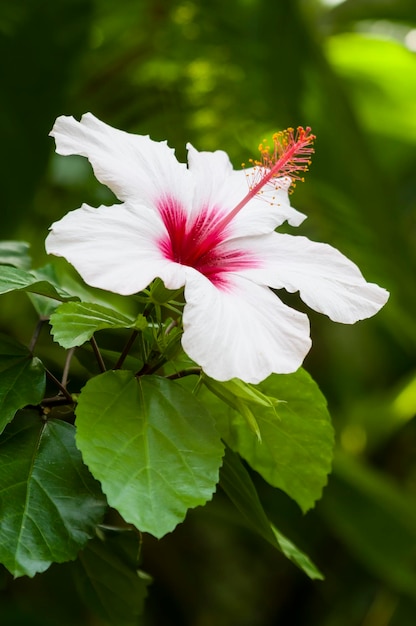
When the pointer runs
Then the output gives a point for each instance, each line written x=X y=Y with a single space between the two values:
x=114 y=247
x=218 y=189
x=328 y=282
x=211 y=172
x=134 y=167
x=241 y=330
x=273 y=198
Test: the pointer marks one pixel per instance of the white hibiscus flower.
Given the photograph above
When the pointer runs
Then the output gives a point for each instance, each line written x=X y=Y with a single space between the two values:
x=200 y=227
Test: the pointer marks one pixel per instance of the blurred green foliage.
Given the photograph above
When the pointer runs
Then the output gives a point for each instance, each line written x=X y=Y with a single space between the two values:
x=222 y=75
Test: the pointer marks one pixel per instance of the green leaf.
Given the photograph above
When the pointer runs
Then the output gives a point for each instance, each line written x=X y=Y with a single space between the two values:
x=50 y=503
x=15 y=279
x=15 y=253
x=45 y=306
x=237 y=484
x=67 y=277
x=383 y=66
x=295 y=449
x=22 y=379
x=235 y=388
x=74 y=323
x=239 y=396
x=108 y=578
x=151 y=444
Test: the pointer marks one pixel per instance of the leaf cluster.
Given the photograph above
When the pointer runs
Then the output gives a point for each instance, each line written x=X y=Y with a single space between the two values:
x=134 y=434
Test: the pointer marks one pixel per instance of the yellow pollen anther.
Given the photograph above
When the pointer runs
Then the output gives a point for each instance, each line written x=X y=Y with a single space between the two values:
x=288 y=156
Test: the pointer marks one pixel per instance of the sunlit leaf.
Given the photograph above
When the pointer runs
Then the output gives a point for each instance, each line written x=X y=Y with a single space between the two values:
x=22 y=379
x=378 y=72
x=151 y=444
x=74 y=323
x=345 y=13
x=49 y=502
x=237 y=484
x=108 y=577
x=295 y=449
x=375 y=418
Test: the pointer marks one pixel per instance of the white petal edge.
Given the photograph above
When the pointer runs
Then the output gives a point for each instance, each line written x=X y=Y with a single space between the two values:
x=114 y=247
x=327 y=281
x=243 y=332
x=134 y=167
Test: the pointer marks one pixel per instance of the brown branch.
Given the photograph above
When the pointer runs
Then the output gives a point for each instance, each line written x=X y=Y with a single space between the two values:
x=60 y=386
x=191 y=371
x=126 y=349
x=98 y=355
x=36 y=333
x=65 y=372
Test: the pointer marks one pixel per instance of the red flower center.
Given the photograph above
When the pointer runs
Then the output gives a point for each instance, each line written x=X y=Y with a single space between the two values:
x=199 y=243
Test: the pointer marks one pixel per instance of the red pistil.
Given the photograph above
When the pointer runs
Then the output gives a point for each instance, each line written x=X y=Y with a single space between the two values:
x=199 y=244
x=291 y=155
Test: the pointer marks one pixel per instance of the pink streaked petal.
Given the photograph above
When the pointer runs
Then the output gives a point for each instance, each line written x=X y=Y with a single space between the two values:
x=241 y=330
x=211 y=172
x=205 y=252
x=134 y=167
x=225 y=259
x=328 y=282
x=113 y=247
x=218 y=189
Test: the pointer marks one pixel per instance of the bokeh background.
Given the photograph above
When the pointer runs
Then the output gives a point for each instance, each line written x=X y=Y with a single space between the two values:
x=223 y=75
